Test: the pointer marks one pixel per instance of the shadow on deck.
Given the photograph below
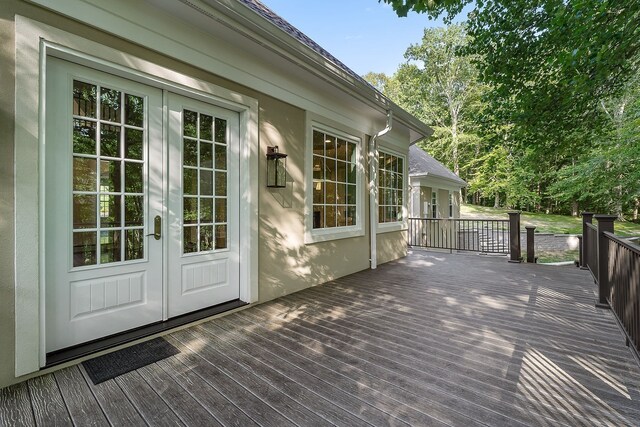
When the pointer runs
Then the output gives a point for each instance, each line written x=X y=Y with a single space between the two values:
x=432 y=339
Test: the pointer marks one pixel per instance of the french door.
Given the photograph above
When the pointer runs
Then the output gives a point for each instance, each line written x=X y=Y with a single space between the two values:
x=133 y=191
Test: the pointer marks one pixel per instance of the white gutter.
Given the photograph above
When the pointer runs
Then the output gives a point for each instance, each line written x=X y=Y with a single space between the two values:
x=373 y=189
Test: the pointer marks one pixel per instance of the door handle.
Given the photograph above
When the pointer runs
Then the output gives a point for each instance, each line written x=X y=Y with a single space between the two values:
x=157 y=228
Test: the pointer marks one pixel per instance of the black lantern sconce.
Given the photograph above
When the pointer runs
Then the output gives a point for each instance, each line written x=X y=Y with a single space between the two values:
x=276 y=168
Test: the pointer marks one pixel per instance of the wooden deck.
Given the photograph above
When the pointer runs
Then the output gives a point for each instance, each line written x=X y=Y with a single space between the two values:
x=433 y=339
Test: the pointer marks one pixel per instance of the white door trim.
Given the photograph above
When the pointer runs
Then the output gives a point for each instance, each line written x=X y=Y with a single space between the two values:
x=34 y=42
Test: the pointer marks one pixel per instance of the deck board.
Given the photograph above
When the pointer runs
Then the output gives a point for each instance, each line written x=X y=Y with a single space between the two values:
x=432 y=339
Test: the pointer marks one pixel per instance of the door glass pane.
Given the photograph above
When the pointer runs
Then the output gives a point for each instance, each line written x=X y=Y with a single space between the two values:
x=221 y=131
x=110 y=141
x=84 y=174
x=134 y=244
x=206 y=210
x=206 y=238
x=84 y=137
x=221 y=157
x=133 y=211
x=84 y=211
x=110 y=176
x=133 y=177
x=108 y=193
x=204 y=217
x=84 y=248
x=84 y=99
x=190 y=239
x=206 y=127
x=134 y=110
x=190 y=210
x=109 y=246
x=133 y=143
x=110 y=105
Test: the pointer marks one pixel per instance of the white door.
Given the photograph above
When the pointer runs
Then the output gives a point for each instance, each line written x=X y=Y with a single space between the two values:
x=105 y=205
x=203 y=199
x=103 y=190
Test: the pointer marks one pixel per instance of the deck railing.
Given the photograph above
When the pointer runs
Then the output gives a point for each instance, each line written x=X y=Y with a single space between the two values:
x=615 y=266
x=477 y=235
x=591 y=252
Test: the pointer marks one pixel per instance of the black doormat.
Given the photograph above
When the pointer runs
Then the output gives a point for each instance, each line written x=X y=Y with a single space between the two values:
x=120 y=362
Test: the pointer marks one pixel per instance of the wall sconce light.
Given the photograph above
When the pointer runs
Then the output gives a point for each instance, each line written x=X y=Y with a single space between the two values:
x=276 y=168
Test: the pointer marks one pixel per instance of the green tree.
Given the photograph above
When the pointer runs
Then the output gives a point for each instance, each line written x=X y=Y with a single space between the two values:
x=548 y=62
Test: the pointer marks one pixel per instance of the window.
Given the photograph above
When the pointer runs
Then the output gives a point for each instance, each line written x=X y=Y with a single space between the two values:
x=450 y=204
x=434 y=203
x=334 y=181
x=390 y=188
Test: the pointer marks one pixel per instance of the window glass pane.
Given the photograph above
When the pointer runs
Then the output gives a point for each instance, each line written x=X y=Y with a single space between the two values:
x=318 y=143
x=206 y=155
x=206 y=238
x=84 y=249
x=110 y=246
x=133 y=211
x=110 y=103
x=351 y=215
x=221 y=130
x=391 y=182
x=318 y=192
x=351 y=152
x=206 y=127
x=133 y=177
x=221 y=157
x=330 y=197
x=331 y=216
x=190 y=239
x=341 y=148
x=330 y=170
x=351 y=194
x=206 y=210
x=318 y=167
x=190 y=124
x=190 y=210
x=342 y=193
x=134 y=244
x=84 y=174
x=84 y=99
x=84 y=211
x=134 y=110
x=400 y=165
x=133 y=143
x=221 y=236
x=318 y=216
x=330 y=146
x=341 y=171
x=84 y=137
x=341 y=214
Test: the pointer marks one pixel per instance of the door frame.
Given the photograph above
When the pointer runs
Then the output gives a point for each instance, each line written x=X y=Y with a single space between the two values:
x=35 y=42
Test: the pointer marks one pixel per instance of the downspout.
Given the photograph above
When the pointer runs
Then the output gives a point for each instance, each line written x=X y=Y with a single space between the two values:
x=373 y=189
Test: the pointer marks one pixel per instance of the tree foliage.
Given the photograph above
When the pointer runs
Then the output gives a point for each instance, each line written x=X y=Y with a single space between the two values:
x=557 y=126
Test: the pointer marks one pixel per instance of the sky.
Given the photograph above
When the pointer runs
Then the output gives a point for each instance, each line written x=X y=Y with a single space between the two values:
x=363 y=34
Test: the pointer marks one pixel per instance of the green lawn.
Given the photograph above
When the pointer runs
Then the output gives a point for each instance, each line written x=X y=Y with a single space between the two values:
x=544 y=223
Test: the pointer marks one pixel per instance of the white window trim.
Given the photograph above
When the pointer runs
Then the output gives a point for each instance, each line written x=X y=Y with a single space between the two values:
x=436 y=204
x=36 y=41
x=387 y=227
x=316 y=235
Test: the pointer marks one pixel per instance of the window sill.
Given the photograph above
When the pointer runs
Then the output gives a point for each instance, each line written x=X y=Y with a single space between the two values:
x=325 y=235
x=388 y=227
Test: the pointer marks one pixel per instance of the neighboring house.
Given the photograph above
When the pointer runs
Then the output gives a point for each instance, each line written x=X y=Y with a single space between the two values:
x=133 y=140
x=435 y=190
